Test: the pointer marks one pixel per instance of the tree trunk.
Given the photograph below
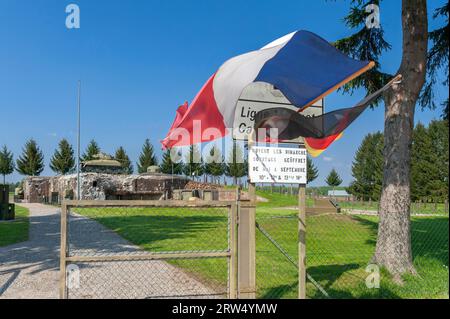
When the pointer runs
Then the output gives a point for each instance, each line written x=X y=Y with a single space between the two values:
x=393 y=248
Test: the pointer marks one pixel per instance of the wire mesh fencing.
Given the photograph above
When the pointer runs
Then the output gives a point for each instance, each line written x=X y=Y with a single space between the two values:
x=175 y=249
x=148 y=250
x=339 y=252
x=341 y=247
x=417 y=208
x=276 y=257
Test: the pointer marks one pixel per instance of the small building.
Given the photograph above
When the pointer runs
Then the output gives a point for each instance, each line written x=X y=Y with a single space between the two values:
x=341 y=194
x=100 y=186
x=103 y=178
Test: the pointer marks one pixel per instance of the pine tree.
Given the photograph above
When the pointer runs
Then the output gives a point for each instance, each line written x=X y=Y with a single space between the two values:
x=367 y=168
x=122 y=157
x=439 y=135
x=393 y=248
x=91 y=151
x=31 y=162
x=429 y=162
x=166 y=164
x=422 y=166
x=147 y=157
x=214 y=165
x=6 y=163
x=437 y=60
x=171 y=162
x=63 y=161
x=236 y=164
x=312 y=171
x=193 y=163
x=333 y=179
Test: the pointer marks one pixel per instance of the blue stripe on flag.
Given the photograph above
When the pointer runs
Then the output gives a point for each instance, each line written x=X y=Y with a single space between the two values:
x=306 y=67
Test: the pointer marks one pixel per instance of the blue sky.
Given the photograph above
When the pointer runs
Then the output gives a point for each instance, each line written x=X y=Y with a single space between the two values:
x=138 y=60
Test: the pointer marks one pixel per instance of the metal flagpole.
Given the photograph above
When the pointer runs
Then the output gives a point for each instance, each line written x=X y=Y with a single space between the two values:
x=78 y=143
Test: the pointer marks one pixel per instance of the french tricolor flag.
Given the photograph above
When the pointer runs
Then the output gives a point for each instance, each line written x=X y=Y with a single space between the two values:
x=302 y=65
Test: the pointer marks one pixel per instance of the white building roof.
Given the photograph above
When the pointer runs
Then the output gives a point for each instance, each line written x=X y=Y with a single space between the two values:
x=338 y=193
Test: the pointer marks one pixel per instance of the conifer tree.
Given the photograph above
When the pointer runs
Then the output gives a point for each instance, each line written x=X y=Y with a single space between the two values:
x=437 y=60
x=236 y=164
x=312 y=171
x=147 y=157
x=193 y=163
x=171 y=162
x=214 y=165
x=6 y=163
x=91 y=151
x=393 y=249
x=421 y=163
x=367 y=168
x=122 y=157
x=63 y=160
x=333 y=179
x=31 y=162
x=439 y=135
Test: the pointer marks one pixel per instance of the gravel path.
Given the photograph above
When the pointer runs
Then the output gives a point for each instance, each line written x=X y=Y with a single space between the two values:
x=30 y=269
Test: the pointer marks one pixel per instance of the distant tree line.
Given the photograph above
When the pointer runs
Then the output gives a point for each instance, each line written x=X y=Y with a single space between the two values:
x=429 y=164
x=213 y=168
x=63 y=161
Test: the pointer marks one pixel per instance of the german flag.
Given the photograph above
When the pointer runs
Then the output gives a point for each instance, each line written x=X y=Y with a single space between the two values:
x=316 y=146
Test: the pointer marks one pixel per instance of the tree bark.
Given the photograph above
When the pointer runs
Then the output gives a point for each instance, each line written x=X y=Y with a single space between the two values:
x=393 y=248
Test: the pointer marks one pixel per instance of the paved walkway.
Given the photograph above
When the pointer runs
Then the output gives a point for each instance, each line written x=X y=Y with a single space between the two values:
x=31 y=269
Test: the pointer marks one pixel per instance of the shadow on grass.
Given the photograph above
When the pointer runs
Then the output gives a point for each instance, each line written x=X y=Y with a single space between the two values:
x=429 y=236
x=340 y=283
x=429 y=240
x=280 y=291
x=333 y=279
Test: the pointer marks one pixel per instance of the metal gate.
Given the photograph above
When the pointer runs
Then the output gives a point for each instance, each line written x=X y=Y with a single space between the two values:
x=148 y=249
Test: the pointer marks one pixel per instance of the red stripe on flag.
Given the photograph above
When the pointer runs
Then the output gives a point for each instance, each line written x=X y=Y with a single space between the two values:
x=203 y=109
x=318 y=145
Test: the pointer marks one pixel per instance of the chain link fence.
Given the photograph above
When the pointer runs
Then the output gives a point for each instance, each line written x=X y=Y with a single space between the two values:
x=341 y=246
x=277 y=256
x=181 y=249
x=417 y=208
x=148 y=250
x=339 y=250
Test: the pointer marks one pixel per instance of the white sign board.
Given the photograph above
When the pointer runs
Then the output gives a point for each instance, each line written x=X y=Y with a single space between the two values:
x=277 y=165
x=260 y=96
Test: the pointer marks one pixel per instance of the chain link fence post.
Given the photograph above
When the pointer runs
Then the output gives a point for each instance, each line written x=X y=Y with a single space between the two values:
x=301 y=242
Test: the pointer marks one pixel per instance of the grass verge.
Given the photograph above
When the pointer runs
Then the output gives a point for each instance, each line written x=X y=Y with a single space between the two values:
x=15 y=231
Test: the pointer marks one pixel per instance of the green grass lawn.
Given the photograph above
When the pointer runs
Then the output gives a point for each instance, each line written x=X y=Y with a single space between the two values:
x=279 y=200
x=285 y=200
x=339 y=247
x=416 y=208
x=15 y=231
x=174 y=229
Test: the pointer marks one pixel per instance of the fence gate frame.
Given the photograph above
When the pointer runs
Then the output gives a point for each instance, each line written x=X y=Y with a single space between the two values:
x=231 y=253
